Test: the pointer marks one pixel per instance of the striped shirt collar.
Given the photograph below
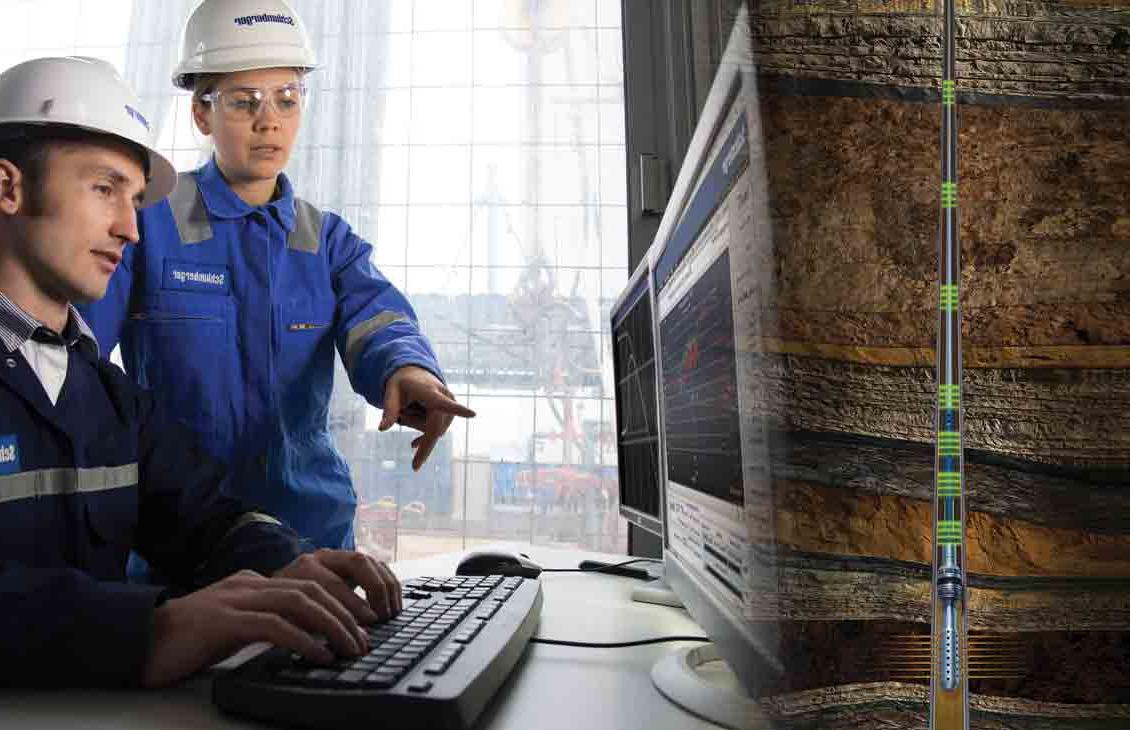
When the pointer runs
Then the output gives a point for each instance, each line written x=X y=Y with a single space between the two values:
x=17 y=326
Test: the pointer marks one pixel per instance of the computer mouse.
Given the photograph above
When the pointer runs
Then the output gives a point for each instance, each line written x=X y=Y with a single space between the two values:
x=497 y=562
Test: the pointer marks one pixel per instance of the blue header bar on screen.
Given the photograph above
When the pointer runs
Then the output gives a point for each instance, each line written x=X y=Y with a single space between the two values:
x=726 y=168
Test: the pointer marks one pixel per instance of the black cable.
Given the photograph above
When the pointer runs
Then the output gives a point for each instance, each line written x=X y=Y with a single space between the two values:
x=617 y=645
x=600 y=569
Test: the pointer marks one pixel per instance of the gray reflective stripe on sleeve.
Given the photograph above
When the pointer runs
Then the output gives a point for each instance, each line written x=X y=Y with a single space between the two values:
x=307 y=233
x=357 y=335
x=55 y=482
x=189 y=211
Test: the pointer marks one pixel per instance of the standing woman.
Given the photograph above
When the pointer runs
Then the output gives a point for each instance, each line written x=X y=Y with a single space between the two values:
x=230 y=307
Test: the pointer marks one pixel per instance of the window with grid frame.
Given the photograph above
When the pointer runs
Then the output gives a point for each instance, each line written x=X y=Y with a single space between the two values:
x=479 y=146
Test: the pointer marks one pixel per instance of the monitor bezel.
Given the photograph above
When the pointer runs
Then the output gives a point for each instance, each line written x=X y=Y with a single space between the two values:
x=654 y=524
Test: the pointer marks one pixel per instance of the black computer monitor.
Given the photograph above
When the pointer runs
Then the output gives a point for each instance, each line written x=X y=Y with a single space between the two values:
x=705 y=276
x=637 y=408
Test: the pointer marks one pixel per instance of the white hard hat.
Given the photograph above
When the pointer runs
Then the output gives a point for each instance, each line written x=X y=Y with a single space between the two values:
x=222 y=36
x=87 y=93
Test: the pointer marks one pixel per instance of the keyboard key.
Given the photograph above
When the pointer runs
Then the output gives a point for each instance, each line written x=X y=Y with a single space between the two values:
x=353 y=676
x=379 y=681
x=435 y=668
x=397 y=664
x=422 y=685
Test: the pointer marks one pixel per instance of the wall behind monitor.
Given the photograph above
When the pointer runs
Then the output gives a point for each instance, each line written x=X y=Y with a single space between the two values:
x=671 y=55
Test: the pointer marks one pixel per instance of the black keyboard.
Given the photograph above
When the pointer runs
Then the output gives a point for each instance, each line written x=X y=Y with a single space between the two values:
x=436 y=665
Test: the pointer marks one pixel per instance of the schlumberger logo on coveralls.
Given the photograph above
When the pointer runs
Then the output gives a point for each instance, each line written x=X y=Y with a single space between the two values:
x=9 y=454
x=197 y=277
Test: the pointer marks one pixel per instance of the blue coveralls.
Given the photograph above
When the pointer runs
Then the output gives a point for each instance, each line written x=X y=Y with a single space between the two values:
x=81 y=483
x=230 y=314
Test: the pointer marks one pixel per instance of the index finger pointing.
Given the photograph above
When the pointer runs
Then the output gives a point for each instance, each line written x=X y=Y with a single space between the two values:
x=446 y=405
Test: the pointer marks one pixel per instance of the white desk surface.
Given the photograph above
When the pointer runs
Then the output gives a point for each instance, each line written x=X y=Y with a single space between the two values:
x=551 y=688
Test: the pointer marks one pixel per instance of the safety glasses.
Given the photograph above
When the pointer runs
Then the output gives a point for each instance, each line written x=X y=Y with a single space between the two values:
x=244 y=104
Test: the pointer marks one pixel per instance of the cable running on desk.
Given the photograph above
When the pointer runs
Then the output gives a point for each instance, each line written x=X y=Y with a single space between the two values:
x=618 y=644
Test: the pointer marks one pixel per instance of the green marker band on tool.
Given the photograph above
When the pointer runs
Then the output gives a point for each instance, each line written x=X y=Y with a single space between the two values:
x=949 y=298
x=949 y=195
x=949 y=95
x=949 y=532
x=949 y=484
x=948 y=396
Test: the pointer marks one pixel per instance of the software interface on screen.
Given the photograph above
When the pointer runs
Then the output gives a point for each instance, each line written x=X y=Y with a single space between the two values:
x=705 y=490
x=637 y=436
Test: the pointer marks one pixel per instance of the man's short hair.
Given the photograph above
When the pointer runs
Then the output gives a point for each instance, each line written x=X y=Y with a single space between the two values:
x=29 y=146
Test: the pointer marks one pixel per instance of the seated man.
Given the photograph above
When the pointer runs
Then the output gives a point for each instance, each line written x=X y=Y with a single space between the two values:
x=88 y=468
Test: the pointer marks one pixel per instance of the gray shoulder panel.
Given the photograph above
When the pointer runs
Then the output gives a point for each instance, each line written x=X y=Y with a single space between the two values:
x=307 y=233
x=189 y=211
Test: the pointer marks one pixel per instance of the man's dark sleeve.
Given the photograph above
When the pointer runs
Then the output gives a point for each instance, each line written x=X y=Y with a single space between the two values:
x=60 y=627
x=188 y=528
x=63 y=627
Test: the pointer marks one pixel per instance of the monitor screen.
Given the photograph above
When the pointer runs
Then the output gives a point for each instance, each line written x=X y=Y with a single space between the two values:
x=637 y=417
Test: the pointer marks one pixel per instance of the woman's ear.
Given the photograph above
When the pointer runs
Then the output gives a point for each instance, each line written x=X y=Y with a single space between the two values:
x=201 y=117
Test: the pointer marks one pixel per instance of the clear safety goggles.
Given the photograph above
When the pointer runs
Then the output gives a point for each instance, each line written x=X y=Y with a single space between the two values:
x=244 y=104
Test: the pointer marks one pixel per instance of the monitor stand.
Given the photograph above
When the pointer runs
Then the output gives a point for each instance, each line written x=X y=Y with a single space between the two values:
x=696 y=679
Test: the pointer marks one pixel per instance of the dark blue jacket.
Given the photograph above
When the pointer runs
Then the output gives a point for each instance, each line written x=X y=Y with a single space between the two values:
x=230 y=314
x=81 y=483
